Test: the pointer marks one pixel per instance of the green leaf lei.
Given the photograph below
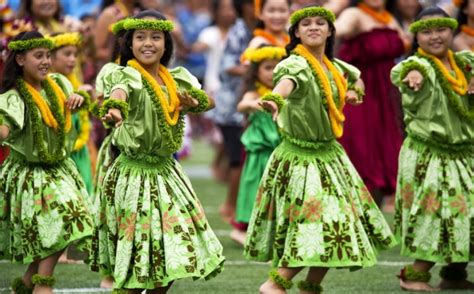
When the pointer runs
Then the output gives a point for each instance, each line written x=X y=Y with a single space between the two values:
x=311 y=12
x=22 y=45
x=148 y=24
x=38 y=136
x=202 y=99
x=173 y=142
x=426 y=24
x=277 y=98
x=310 y=287
x=453 y=97
x=87 y=100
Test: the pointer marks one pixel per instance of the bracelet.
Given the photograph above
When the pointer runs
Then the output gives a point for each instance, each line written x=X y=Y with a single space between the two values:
x=94 y=109
x=43 y=280
x=310 y=287
x=202 y=99
x=110 y=103
x=283 y=282
x=87 y=99
x=360 y=93
x=408 y=67
x=408 y=273
x=277 y=98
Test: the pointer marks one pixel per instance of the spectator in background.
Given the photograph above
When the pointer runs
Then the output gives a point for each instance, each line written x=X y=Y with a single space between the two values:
x=404 y=11
x=44 y=15
x=464 y=39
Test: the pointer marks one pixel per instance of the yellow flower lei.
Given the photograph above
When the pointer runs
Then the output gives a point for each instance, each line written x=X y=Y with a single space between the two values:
x=171 y=109
x=85 y=123
x=336 y=116
x=257 y=55
x=262 y=89
x=459 y=82
x=66 y=39
x=43 y=107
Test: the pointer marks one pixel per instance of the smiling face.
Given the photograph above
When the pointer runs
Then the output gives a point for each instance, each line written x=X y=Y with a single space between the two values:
x=148 y=46
x=64 y=59
x=275 y=15
x=313 y=31
x=44 y=9
x=35 y=64
x=435 y=41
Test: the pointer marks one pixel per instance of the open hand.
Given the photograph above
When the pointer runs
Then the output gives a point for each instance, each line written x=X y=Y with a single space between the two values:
x=270 y=106
x=113 y=115
x=414 y=79
x=74 y=101
x=353 y=98
x=187 y=101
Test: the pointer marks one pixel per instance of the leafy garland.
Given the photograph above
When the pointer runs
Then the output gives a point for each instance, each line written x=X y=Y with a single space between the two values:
x=426 y=24
x=408 y=273
x=283 y=282
x=47 y=281
x=110 y=103
x=22 y=45
x=58 y=92
x=410 y=65
x=117 y=27
x=148 y=24
x=336 y=116
x=271 y=38
x=360 y=93
x=38 y=135
x=20 y=287
x=311 y=12
x=202 y=99
x=453 y=97
x=277 y=98
x=310 y=287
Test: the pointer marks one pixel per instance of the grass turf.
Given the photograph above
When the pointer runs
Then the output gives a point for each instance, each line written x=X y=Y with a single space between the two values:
x=238 y=275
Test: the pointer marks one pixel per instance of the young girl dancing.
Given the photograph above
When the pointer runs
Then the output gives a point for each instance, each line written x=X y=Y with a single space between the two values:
x=261 y=136
x=152 y=229
x=43 y=201
x=312 y=208
x=435 y=188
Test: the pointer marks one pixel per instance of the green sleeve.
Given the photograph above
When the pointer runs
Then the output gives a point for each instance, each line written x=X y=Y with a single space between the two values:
x=63 y=83
x=350 y=72
x=296 y=69
x=104 y=71
x=124 y=78
x=12 y=110
x=184 y=79
x=467 y=57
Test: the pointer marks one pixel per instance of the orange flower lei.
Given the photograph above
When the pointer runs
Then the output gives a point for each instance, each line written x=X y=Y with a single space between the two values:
x=271 y=38
x=458 y=82
x=336 y=116
x=467 y=30
x=43 y=107
x=171 y=109
x=383 y=16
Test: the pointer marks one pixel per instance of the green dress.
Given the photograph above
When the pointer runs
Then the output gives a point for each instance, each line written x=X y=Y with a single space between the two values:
x=259 y=139
x=435 y=187
x=152 y=229
x=81 y=158
x=43 y=208
x=312 y=207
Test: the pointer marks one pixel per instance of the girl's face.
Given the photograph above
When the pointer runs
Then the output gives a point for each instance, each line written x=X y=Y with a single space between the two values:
x=435 y=41
x=275 y=15
x=265 y=72
x=376 y=4
x=148 y=46
x=469 y=10
x=35 y=64
x=44 y=8
x=64 y=59
x=225 y=13
x=313 y=31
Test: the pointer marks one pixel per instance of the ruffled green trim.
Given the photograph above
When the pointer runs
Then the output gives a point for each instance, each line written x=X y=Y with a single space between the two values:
x=412 y=65
x=118 y=26
x=277 y=98
x=306 y=144
x=47 y=281
x=453 y=274
x=202 y=99
x=23 y=45
x=310 y=287
x=148 y=24
x=360 y=93
x=279 y=280
x=311 y=12
x=94 y=109
x=408 y=273
x=87 y=99
x=453 y=97
x=173 y=142
x=426 y=24
x=19 y=287
x=38 y=136
x=110 y=103
x=450 y=149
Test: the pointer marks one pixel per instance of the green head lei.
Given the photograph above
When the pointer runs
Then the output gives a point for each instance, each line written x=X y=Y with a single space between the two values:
x=148 y=24
x=23 y=45
x=118 y=26
x=311 y=12
x=429 y=23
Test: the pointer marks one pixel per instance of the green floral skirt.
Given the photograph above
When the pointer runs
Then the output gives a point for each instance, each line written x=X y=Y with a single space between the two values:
x=313 y=210
x=152 y=229
x=42 y=210
x=434 y=216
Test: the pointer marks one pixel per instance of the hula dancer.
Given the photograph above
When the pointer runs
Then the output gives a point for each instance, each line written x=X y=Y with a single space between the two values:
x=435 y=189
x=43 y=201
x=152 y=228
x=312 y=208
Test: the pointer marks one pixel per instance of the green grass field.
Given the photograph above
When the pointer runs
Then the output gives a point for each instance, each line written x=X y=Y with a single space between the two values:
x=239 y=275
